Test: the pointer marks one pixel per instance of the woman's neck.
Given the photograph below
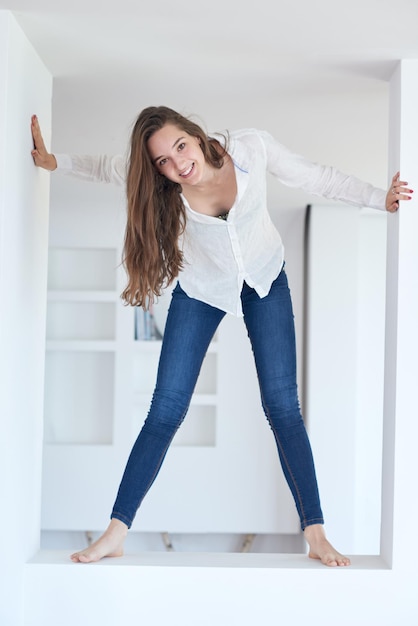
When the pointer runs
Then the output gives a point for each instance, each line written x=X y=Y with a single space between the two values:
x=216 y=193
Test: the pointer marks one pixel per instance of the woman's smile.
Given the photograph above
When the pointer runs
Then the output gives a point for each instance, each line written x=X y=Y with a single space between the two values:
x=188 y=171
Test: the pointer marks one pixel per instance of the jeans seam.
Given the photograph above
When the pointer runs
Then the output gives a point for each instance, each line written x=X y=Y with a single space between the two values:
x=276 y=319
x=284 y=456
x=304 y=521
x=157 y=469
x=190 y=326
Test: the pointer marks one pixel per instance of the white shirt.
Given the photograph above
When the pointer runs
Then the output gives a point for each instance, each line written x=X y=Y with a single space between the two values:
x=219 y=255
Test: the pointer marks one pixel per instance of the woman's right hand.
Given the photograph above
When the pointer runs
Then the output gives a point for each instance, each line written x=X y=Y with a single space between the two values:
x=397 y=191
x=41 y=156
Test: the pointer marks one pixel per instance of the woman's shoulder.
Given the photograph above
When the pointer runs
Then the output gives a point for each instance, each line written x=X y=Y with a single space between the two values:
x=245 y=132
x=247 y=145
x=241 y=134
x=247 y=135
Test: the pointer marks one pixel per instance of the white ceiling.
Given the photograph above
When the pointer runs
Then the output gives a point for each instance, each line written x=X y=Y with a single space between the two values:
x=112 y=58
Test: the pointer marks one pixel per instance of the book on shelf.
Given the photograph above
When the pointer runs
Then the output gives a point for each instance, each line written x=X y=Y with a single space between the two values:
x=145 y=328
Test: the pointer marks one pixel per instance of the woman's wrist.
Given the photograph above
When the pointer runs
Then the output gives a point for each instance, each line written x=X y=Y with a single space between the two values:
x=52 y=163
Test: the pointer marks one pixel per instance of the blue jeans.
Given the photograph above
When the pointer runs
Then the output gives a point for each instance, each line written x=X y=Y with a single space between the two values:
x=190 y=327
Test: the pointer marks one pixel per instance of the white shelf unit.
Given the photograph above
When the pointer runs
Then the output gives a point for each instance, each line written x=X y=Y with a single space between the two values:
x=221 y=473
x=81 y=346
x=199 y=428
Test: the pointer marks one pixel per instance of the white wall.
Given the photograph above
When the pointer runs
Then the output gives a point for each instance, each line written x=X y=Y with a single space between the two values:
x=344 y=368
x=399 y=510
x=25 y=87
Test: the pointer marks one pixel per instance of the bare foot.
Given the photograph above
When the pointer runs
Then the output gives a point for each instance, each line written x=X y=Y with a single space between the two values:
x=320 y=548
x=109 y=544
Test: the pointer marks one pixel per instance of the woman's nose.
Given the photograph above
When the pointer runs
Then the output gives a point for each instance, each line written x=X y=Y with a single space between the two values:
x=180 y=162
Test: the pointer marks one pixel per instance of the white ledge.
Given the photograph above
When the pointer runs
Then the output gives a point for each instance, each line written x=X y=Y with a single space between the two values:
x=209 y=560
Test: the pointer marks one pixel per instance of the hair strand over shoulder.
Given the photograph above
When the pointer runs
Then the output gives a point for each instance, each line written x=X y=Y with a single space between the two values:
x=156 y=215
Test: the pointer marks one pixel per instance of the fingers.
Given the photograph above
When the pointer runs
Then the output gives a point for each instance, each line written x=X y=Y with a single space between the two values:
x=37 y=158
x=41 y=156
x=399 y=191
x=38 y=142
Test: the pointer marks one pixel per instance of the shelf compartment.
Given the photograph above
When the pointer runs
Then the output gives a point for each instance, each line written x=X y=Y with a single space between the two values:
x=60 y=295
x=148 y=345
x=79 y=397
x=81 y=346
x=81 y=320
x=197 y=399
x=82 y=269
x=145 y=368
x=197 y=430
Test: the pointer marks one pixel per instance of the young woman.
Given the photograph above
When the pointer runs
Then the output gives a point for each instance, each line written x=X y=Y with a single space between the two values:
x=197 y=213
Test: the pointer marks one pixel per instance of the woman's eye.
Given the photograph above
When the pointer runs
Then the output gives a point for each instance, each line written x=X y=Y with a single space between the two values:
x=162 y=162
x=181 y=146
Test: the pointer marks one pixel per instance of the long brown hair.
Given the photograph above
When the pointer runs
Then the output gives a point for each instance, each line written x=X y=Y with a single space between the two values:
x=156 y=214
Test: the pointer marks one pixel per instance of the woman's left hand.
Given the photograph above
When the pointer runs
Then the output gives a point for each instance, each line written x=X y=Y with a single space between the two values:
x=398 y=191
x=40 y=155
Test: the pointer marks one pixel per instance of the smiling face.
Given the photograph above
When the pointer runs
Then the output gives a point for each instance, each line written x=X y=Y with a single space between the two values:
x=177 y=155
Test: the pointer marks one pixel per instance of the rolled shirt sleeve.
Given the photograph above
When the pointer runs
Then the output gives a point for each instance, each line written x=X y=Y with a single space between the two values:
x=102 y=168
x=294 y=170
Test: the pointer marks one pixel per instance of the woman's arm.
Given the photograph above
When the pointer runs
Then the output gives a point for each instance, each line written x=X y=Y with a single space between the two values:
x=296 y=171
x=103 y=168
